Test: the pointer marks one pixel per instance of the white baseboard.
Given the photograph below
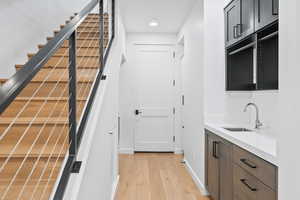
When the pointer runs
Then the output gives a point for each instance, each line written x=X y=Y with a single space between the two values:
x=178 y=151
x=126 y=151
x=196 y=179
x=115 y=188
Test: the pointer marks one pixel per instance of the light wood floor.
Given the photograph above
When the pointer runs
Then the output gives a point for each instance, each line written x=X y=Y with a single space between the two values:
x=155 y=176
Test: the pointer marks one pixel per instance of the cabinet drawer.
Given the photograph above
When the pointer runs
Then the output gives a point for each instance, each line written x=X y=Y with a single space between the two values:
x=249 y=187
x=261 y=169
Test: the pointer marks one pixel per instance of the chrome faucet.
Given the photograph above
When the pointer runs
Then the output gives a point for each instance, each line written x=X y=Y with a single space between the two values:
x=258 y=123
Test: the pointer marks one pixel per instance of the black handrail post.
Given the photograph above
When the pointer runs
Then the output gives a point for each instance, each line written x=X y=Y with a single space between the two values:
x=72 y=96
x=113 y=27
x=101 y=35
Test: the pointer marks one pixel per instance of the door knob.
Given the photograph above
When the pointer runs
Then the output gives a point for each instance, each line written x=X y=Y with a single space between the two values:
x=137 y=112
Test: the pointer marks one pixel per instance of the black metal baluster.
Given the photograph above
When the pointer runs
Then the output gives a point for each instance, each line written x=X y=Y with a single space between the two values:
x=101 y=36
x=72 y=95
x=73 y=105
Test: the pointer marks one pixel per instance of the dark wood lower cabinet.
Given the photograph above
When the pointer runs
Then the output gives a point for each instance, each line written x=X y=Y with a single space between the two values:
x=212 y=167
x=227 y=177
x=248 y=187
x=219 y=179
x=225 y=168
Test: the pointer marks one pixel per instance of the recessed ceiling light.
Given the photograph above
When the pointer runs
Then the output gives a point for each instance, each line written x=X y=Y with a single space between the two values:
x=153 y=23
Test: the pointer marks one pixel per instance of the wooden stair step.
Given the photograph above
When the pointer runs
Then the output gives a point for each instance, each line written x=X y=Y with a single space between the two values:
x=82 y=51
x=87 y=42
x=27 y=194
x=50 y=164
x=94 y=15
x=46 y=98
x=88 y=61
x=89 y=26
x=19 y=138
x=92 y=23
x=37 y=121
x=48 y=178
x=62 y=74
x=88 y=34
x=82 y=40
x=57 y=90
x=26 y=147
x=40 y=108
x=91 y=29
x=64 y=56
x=19 y=66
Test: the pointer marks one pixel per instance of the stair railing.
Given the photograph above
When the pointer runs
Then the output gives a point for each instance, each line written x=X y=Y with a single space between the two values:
x=76 y=125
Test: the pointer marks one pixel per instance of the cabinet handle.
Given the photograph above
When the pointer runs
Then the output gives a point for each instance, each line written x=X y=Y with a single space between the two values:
x=215 y=149
x=239 y=31
x=246 y=162
x=258 y=10
x=273 y=8
x=234 y=32
x=244 y=181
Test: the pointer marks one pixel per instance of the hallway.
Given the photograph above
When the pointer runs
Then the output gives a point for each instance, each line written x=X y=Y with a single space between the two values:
x=155 y=176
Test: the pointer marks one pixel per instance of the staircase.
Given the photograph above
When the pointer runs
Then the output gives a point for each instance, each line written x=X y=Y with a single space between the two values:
x=34 y=129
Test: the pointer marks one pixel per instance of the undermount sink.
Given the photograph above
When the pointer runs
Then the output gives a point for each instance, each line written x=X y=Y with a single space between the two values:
x=238 y=129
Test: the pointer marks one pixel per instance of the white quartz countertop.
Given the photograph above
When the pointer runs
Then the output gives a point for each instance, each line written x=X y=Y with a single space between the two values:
x=257 y=143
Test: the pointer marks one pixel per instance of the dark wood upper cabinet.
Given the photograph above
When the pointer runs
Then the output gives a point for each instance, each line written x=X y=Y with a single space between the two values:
x=232 y=20
x=246 y=27
x=244 y=17
x=239 y=22
x=251 y=35
x=266 y=12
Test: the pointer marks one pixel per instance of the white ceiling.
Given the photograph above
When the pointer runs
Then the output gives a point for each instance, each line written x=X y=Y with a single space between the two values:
x=171 y=14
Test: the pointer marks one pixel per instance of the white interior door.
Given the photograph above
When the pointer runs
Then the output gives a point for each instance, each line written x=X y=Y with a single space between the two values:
x=154 y=128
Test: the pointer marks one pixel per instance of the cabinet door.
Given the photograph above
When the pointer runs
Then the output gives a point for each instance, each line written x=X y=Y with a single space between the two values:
x=246 y=27
x=266 y=12
x=212 y=167
x=224 y=150
x=232 y=20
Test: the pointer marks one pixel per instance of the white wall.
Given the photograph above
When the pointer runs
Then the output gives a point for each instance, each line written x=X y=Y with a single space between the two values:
x=128 y=81
x=99 y=150
x=27 y=23
x=192 y=67
x=228 y=106
x=289 y=98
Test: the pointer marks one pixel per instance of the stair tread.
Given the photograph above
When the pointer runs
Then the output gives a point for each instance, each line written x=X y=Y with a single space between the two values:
x=45 y=178
x=35 y=152
x=61 y=67
x=66 y=56
x=40 y=120
x=53 y=81
x=47 y=98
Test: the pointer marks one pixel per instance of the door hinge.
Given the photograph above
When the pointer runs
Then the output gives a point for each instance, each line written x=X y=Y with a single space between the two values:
x=182 y=100
x=174 y=111
x=174 y=139
x=174 y=82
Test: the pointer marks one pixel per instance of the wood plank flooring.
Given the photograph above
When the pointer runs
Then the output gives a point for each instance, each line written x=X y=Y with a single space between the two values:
x=154 y=176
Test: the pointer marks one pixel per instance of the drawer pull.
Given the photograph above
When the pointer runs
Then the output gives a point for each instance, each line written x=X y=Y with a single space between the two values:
x=246 y=162
x=244 y=181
